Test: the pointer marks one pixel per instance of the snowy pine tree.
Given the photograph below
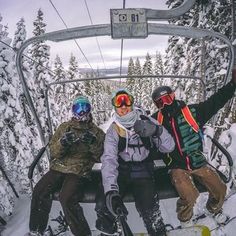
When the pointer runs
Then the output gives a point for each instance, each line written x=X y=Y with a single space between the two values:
x=7 y=121
x=158 y=69
x=41 y=76
x=130 y=82
x=147 y=83
x=138 y=82
x=60 y=92
x=77 y=88
x=20 y=34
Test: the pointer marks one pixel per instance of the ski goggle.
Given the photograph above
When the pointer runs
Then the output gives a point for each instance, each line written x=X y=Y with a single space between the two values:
x=81 y=108
x=166 y=99
x=122 y=99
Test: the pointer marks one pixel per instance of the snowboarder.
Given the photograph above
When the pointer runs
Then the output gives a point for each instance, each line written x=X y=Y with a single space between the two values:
x=126 y=165
x=74 y=148
x=186 y=162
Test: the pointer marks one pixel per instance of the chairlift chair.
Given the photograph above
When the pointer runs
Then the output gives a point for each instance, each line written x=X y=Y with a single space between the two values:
x=164 y=186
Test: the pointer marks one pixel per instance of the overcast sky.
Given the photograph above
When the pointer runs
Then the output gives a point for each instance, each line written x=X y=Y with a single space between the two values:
x=74 y=14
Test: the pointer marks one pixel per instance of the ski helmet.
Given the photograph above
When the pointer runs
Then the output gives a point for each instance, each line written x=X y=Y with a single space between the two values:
x=163 y=95
x=81 y=108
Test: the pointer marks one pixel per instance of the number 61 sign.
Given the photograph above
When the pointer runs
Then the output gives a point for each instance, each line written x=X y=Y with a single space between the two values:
x=128 y=23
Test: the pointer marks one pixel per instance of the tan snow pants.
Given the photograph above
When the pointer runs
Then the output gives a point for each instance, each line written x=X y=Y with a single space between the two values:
x=188 y=193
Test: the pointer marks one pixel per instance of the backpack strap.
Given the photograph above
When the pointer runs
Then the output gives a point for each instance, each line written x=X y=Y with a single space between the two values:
x=187 y=116
x=122 y=139
x=160 y=117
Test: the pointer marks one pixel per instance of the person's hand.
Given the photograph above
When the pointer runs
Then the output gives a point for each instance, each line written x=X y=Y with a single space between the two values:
x=89 y=138
x=68 y=139
x=115 y=204
x=146 y=128
x=234 y=75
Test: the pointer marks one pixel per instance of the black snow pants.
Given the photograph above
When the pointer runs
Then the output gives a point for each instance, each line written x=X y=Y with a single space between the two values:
x=139 y=181
x=71 y=188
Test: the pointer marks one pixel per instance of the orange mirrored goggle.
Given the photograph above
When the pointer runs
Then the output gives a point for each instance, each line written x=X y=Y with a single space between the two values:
x=122 y=99
x=166 y=99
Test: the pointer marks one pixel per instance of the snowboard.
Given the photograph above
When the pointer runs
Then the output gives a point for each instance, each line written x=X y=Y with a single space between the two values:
x=196 y=230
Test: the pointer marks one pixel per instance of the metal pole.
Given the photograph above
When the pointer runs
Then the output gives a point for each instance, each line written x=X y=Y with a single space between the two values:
x=233 y=4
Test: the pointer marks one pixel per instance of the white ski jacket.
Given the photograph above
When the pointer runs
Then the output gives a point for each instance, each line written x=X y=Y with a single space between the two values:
x=109 y=159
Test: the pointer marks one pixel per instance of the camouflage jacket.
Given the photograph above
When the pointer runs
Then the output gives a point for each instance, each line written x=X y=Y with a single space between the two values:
x=80 y=157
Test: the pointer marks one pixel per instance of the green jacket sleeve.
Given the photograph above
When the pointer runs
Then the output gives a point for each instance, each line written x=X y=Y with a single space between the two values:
x=96 y=149
x=56 y=149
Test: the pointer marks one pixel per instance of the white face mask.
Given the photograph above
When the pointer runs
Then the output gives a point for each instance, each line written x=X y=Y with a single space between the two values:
x=85 y=117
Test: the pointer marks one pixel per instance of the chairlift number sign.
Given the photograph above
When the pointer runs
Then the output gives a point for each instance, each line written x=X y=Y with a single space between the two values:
x=128 y=23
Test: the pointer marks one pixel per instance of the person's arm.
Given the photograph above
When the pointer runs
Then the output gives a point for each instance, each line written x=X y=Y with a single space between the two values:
x=149 y=127
x=109 y=161
x=205 y=110
x=96 y=148
x=163 y=140
x=56 y=148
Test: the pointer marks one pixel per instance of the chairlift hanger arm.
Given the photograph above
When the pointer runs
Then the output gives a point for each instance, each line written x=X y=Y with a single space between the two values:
x=152 y=14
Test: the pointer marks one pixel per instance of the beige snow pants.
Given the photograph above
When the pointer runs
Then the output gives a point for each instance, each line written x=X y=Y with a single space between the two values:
x=188 y=193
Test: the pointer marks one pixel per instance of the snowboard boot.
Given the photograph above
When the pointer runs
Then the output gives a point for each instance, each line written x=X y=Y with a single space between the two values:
x=219 y=217
x=33 y=233
x=106 y=224
x=185 y=224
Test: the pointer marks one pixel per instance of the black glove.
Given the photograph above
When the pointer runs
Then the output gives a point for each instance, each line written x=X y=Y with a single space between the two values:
x=146 y=128
x=115 y=204
x=68 y=138
x=89 y=138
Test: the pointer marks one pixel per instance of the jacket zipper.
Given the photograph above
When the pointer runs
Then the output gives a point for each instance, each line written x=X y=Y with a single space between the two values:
x=178 y=143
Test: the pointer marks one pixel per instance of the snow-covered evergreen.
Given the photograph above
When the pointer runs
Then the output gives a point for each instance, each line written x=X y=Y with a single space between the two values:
x=8 y=113
x=147 y=82
x=40 y=53
x=130 y=82
x=60 y=95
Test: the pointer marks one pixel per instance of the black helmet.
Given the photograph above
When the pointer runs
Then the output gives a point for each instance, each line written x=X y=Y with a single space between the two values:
x=160 y=91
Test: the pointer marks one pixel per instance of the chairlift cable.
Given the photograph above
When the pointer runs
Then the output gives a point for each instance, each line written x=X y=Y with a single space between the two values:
x=100 y=51
x=121 y=48
x=15 y=51
x=74 y=39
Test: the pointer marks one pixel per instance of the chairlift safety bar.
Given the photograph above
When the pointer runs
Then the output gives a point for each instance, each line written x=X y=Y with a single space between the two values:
x=114 y=77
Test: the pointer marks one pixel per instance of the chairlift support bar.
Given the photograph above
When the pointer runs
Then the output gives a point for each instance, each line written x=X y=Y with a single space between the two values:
x=170 y=14
x=105 y=30
x=115 y=77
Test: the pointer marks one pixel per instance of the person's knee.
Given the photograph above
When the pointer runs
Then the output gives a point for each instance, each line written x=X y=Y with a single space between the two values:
x=38 y=191
x=67 y=201
x=100 y=205
x=191 y=198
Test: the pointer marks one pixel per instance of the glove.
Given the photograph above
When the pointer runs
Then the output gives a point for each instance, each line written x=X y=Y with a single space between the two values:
x=115 y=204
x=146 y=128
x=68 y=139
x=89 y=138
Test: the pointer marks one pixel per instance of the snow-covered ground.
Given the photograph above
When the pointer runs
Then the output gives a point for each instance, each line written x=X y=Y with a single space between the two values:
x=18 y=223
